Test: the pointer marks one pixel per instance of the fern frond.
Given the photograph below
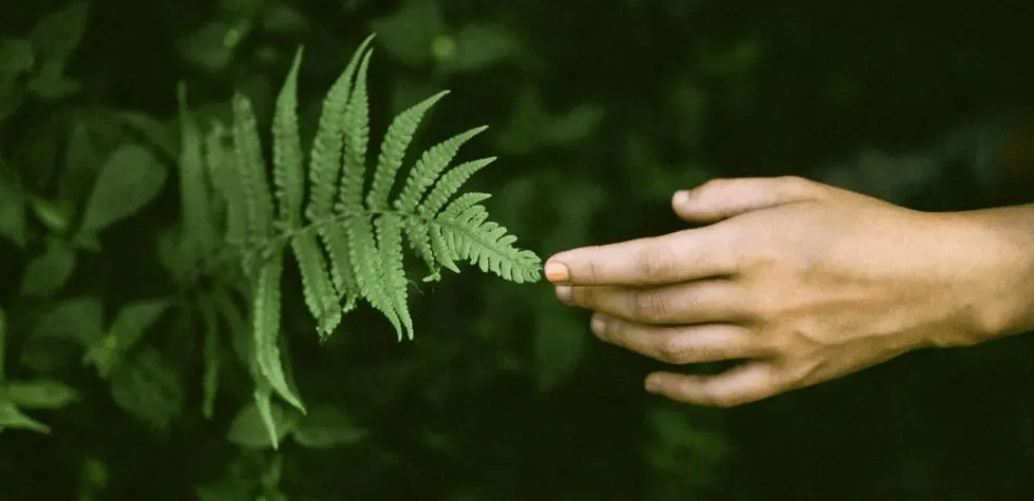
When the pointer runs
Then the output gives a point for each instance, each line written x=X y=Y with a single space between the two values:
x=288 y=176
x=369 y=273
x=486 y=243
x=419 y=238
x=324 y=171
x=429 y=167
x=450 y=183
x=325 y=157
x=393 y=149
x=266 y=327
x=389 y=243
x=251 y=166
x=317 y=288
x=357 y=134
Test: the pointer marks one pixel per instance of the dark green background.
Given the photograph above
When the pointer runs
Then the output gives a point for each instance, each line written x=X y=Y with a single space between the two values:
x=599 y=110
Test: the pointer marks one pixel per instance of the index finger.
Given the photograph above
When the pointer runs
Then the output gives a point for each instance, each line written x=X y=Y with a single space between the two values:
x=685 y=255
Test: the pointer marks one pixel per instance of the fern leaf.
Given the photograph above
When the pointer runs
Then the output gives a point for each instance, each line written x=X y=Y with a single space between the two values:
x=450 y=183
x=251 y=166
x=389 y=241
x=357 y=132
x=419 y=238
x=222 y=170
x=369 y=273
x=325 y=157
x=198 y=224
x=429 y=167
x=393 y=149
x=319 y=292
x=486 y=243
x=462 y=203
x=324 y=171
x=266 y=328
x=442 y=249
x=288 y=176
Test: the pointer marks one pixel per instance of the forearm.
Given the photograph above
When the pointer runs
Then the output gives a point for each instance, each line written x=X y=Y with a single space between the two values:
x=1006 y=235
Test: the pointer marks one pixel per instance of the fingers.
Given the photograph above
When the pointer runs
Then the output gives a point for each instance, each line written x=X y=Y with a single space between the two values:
x=677 y=257
x=686 y=303
x=742 y=384
x=679 y=345
x=723 y=198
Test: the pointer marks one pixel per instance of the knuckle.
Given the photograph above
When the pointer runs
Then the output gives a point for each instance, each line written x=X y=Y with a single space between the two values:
x=654 y=266
x=648 y=307
x=671 y=350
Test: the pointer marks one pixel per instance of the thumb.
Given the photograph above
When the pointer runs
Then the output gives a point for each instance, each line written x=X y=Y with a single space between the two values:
x=723 y=198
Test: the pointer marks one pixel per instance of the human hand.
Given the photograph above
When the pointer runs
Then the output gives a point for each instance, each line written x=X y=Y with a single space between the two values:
x=804 y=281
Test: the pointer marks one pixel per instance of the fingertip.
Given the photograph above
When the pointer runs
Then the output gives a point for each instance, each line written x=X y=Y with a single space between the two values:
x=556 y=272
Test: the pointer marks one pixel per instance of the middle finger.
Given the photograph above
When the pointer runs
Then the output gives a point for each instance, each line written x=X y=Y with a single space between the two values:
x=700 y=301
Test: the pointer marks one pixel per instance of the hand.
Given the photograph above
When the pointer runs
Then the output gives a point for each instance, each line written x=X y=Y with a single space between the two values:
x=804 y=281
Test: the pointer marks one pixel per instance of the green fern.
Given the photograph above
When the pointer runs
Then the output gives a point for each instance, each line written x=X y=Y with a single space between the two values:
x=347 y=242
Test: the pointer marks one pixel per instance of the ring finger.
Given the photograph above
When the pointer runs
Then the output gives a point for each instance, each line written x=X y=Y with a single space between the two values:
x=685 y=344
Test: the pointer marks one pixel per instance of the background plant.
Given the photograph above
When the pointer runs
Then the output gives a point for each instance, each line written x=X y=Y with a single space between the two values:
x=597 y=114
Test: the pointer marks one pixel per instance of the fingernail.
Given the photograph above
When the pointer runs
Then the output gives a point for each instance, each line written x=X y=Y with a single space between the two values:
x=599 y=326
x=681 y=197
x=563 y=293
x=556 y=272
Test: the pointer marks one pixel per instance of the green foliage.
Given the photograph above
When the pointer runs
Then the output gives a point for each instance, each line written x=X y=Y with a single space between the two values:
x=361 y=234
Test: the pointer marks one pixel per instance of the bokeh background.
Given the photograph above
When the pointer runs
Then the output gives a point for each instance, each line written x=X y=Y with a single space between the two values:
x=599 y=111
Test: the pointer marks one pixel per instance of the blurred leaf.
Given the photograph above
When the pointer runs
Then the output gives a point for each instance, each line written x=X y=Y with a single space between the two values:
x=12 y=417
x=249 y=427
x=55 y=216
x=93 y=478
x=12 y=208
x=210 y=379
x=240 y=7
x=675 y=441
x=559 y=348
x=47 y=273
x=532 y=126
x=408 y=34
x=226 y=489
x=154 y=131
x=324 y=427
x=147 y=387
x=730 y=62
x=83 y=160
x=212 y=46
x=40 y=394
x=16 y=57
x=79 y=318
x=11 y=96
x=576 y=125
x=58 y=34
x=130 y=179
x=130 y=324
x=50 y=82
x=282 y=18
x=479 y=46
x=3 y=343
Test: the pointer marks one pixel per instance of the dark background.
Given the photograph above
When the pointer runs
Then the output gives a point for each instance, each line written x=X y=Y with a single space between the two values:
x=598 y=111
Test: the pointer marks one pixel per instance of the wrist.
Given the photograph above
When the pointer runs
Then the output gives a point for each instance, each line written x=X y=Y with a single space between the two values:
x=996 y=265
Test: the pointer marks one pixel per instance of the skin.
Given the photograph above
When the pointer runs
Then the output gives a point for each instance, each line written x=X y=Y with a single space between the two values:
x=804 y=281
